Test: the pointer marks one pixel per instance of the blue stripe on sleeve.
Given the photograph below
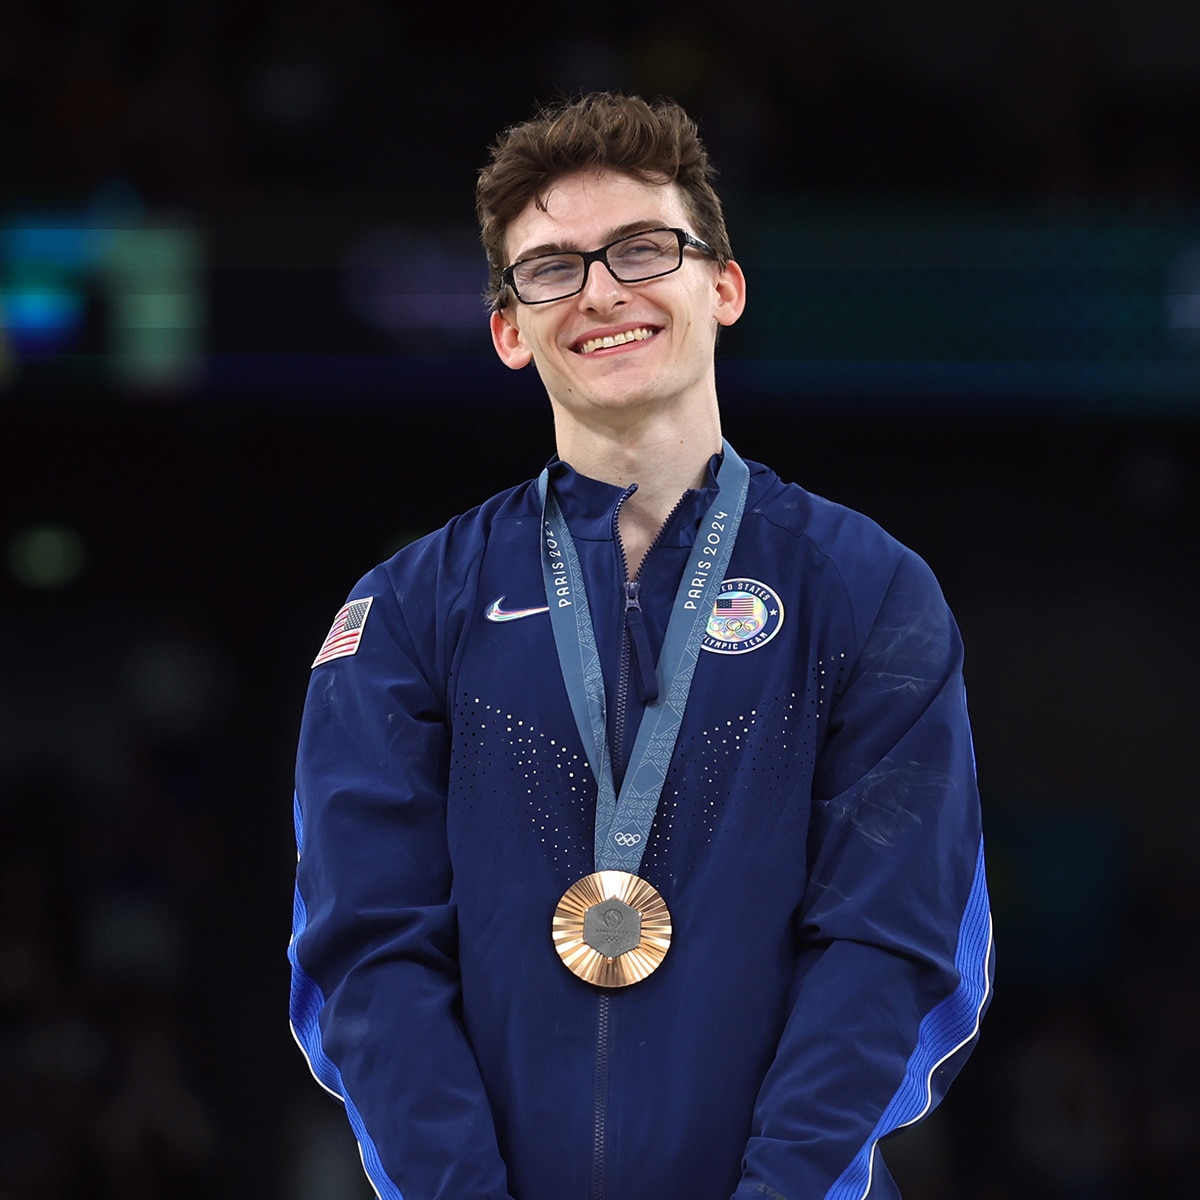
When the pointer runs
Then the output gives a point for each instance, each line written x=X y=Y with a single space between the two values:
x=307 y=1001
x=945 y=1030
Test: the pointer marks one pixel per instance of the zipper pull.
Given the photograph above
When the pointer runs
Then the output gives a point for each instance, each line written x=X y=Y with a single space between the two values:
x=635 y=623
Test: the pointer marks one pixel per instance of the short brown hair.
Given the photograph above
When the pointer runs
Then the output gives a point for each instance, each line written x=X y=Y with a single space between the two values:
x=654 y=142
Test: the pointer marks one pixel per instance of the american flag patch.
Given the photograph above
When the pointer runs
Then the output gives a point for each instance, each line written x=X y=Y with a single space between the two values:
x=734 y=606
x=346 y=631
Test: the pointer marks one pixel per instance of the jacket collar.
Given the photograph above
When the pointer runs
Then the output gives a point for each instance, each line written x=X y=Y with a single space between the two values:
x=590 y=505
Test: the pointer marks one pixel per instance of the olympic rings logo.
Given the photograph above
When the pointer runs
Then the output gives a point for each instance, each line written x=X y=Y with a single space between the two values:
x=627 y=839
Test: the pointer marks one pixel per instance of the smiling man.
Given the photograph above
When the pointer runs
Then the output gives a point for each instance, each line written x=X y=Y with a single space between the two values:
x=640 y=839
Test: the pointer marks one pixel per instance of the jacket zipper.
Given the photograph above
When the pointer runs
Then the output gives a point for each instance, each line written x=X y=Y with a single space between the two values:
x=618 y=727
x=635 y=645
x=600 y=1127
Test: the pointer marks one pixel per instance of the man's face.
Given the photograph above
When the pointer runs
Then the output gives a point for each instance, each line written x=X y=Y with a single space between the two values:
x=670 y=323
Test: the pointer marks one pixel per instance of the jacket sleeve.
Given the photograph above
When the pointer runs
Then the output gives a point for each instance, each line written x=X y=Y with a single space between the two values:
x=894 y=929
x=375 y=1001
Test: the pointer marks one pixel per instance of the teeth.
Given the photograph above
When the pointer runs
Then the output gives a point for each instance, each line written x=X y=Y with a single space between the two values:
x=617 y=339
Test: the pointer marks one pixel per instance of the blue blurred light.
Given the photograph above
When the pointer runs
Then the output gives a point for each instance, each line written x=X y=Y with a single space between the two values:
x=41 y=320
x=47 y=244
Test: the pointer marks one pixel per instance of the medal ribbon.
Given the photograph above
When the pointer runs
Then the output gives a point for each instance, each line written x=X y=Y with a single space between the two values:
x=623 y=822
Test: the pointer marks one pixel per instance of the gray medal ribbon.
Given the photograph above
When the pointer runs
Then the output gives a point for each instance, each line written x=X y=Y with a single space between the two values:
x=623 y=822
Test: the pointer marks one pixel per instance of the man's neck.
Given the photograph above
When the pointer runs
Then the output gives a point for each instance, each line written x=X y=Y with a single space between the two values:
x=663 y=458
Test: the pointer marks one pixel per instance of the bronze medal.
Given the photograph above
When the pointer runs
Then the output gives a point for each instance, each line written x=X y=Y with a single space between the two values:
x=611 y=929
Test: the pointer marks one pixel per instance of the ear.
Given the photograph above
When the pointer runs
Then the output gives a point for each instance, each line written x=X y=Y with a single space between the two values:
x=509 y=343
x=731 y=294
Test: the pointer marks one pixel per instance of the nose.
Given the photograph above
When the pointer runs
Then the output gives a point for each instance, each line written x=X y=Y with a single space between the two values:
x=601 y=288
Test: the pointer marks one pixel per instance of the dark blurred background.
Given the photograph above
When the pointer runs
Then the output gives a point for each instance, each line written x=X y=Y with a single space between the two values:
x=243 y=358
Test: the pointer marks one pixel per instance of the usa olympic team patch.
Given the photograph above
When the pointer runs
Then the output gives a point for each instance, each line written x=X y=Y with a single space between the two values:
x=746 y=615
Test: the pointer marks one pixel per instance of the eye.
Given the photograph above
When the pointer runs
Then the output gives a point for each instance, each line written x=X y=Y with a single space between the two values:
x=638 y=250
x=548 y=269
x=643 y=249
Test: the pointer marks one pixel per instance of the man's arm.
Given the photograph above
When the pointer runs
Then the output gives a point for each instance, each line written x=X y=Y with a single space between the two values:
x=895 y=932
x=375 y=981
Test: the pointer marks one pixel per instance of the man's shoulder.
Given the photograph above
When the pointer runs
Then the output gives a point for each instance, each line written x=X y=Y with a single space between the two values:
x=462 y=538
x=426 y=585
x=844 y=555
x=826 y=527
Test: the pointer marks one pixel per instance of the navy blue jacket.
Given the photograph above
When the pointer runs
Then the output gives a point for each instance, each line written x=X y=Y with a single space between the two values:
x=817 y=842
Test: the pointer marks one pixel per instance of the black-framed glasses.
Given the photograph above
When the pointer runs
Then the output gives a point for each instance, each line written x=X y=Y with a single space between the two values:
x=630 y=259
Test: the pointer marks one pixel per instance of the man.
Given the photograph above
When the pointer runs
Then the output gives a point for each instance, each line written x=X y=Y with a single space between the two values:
x=640 y=841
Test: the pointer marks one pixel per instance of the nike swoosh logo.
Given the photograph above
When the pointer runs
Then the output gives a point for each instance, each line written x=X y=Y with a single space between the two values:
x=496 y=613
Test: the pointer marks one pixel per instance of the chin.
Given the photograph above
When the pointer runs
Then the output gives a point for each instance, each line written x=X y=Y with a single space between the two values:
x=623 y=401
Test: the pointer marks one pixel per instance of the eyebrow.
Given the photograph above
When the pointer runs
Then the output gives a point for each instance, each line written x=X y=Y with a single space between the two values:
x=612 y=235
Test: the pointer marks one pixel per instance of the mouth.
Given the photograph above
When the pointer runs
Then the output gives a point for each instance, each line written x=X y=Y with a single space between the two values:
x=591 y=345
